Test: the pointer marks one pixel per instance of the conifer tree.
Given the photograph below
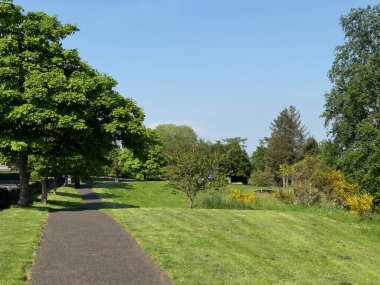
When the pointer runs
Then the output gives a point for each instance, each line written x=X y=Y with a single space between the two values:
x=287 y=139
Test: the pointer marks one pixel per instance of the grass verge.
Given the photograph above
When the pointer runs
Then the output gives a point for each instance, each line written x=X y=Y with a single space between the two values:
x=282 y=246
x=20 y=233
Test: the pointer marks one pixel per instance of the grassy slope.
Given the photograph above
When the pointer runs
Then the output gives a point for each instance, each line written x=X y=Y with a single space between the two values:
x=20 y=232
x=249 y=247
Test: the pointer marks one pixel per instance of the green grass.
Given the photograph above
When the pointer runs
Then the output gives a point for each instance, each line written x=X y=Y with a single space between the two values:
x=141 y=194
x=20 y=233
x=288 y=245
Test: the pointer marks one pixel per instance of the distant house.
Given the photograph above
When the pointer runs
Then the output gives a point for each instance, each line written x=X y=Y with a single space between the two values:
x=3 y=167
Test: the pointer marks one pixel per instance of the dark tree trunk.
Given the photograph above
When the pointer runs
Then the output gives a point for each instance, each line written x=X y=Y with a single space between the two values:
x=55 y=183
x=77 y=182
x=66 y=180
x=24 y=180
x=44 y=186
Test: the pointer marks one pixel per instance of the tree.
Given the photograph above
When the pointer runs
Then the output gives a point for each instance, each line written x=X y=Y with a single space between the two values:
x=235 y=162
x=171 y=135
x=352 y=108
x=193 y=168
x=51 y=102
x=286 y=140
x=310 y=147
x=148 y=162
x=262 y=178
x=258 y=162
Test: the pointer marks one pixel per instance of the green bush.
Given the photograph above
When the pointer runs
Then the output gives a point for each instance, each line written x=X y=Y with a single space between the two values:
x=285 y=196
x=306 y=194
x=262 y=178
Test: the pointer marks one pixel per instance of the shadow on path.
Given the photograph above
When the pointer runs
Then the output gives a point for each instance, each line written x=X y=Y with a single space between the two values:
x=85 y=246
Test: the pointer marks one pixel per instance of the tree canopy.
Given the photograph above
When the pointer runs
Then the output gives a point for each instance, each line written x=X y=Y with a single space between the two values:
x=52 y=103
x=288 y=136
x=352 y=108
x=235 y=162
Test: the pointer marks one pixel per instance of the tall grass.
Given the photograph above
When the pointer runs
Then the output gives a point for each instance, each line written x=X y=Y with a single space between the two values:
x=216 y=200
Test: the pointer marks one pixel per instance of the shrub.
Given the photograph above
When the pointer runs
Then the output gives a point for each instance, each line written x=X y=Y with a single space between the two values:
x=234 y=200
x=306 y=194
x=239 y=196
x=336 y=187
x=214 y=201
x=285 y=196
x=263 y=178
x=360 y=204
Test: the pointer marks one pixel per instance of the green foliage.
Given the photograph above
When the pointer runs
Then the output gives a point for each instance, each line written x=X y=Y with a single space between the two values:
x=217 y=200
x=352 y=106
x=52 y=104
x=262 y=178
x=310 y=147
x=258 y=162
x=172 y=135
x=235 y=162
x=286 y=196
x=144 y=163
x=194 y=168
x=285 y=145
x=114 y=167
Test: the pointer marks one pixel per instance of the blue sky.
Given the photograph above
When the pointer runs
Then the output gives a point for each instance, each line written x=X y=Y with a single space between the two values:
x=226 y=68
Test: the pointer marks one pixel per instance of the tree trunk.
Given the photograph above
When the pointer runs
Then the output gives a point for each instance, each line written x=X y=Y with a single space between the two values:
x=24 y=181
x=55 y=183
x=283 y=181
x=44 y=186
x=191 y=200
x=77 y=182
x=66 y=180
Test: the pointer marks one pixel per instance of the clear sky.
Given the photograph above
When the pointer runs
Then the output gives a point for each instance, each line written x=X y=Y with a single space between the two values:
x=225 y=67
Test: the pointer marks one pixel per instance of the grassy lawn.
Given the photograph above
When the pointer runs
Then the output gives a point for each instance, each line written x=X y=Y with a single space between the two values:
x=146 y=194
x=281 y=246
x=20 y=233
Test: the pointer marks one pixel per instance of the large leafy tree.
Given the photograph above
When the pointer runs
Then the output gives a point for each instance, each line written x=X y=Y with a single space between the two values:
x=51 y=102
x=352 y=109
x=147 y=162
x=287 y=139
x=171 y=135
x=235 y=162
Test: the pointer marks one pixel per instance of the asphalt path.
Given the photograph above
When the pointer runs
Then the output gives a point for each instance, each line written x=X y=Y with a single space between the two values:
x=86 y=246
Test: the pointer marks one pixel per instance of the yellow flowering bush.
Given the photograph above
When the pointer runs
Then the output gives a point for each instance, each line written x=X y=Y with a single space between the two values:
x=239 y=196
x=360 y=204
x=334 y=184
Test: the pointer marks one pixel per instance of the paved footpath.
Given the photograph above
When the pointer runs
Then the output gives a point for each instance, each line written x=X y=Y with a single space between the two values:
x=86 y=246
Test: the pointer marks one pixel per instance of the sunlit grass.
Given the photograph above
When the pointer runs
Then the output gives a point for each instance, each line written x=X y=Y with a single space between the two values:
x=20 y=233
x=287 y=245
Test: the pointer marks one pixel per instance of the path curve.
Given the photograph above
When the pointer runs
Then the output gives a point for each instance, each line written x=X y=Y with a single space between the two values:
x=86 y=246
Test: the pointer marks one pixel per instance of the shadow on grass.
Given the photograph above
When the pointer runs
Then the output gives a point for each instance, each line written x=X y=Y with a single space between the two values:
x=113 y=185
x=89 y=201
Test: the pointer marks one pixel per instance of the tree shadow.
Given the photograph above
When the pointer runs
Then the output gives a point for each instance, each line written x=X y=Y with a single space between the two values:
x=265 y=191
x=112 y=185
x=98 y=205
